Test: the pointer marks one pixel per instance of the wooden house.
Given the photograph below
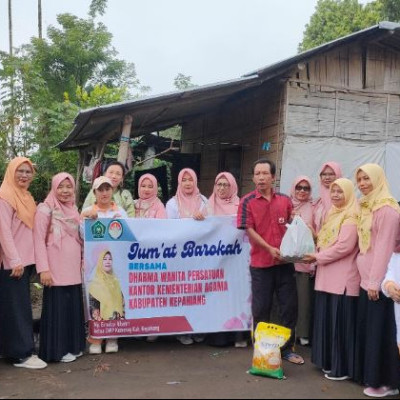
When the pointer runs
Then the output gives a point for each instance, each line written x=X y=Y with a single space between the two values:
x=339 y=101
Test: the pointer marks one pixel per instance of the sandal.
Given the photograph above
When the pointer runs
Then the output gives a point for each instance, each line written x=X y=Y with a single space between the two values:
x=293 y=358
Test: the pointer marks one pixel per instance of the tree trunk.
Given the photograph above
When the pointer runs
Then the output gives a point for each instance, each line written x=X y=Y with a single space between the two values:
x=10 y=33
x=40 y=19
x=12 y=120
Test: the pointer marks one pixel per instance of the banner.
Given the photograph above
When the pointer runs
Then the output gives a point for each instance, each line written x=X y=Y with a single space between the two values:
x=154 y=276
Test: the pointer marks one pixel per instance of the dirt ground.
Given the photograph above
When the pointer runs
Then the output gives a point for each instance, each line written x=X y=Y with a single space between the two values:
x=167 y=369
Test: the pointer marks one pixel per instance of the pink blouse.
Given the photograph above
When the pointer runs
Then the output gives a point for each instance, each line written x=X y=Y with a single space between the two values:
x=64 y=263
x=337 y=271
x=16 y=239
x=374 y=263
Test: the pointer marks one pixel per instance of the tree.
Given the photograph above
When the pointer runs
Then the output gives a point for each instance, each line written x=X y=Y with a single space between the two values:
x=391 y=10
x=336 y=18
x=97 y=7
x=79 y=53
x=75 y=67
x=183 y=82
x=40 y=31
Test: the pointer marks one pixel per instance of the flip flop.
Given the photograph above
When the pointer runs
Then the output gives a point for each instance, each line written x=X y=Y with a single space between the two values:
x=293 y=358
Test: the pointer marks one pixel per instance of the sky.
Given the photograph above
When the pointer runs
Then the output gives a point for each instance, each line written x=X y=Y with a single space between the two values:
x=210 y=40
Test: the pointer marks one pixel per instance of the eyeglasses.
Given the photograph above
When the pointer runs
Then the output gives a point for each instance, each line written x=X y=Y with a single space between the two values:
x=327 y=174
x=300 y=188
x=222 y=185
x=26 y=172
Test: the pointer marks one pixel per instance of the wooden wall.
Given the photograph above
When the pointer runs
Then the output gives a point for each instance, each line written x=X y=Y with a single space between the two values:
x=248 y=120
x=350 y=93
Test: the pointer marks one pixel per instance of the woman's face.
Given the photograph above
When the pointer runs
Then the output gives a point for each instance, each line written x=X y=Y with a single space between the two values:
x=146 y=189
x=65 y=191
x=327 y=176
x=23 y=176
x=337 y=196
x=104 y=195
x=364 y=183
x=223 y=186
x=187 y=184
x=115 y=174
x=302 y=191
x=107 y=263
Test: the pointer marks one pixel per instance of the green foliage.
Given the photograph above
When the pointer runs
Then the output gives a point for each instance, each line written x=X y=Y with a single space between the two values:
x=77 y=54
x=45 y=84
x=390 y=10
x=182 y=82
x=97 y=7
x=337 y=18
x=172 y=133
x=100 y=95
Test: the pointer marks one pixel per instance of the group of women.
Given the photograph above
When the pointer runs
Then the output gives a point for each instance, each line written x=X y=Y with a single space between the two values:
x=354 y=330
x=48 y=236
x=354 y=326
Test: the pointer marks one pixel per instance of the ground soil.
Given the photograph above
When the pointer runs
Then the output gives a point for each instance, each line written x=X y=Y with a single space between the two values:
x=167 y=369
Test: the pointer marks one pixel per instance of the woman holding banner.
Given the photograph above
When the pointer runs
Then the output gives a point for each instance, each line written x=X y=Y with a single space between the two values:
x=225 y=201
x=104 y=207
x=58 y=253
x=188 y=203
x=149 y=205
x=115 y=172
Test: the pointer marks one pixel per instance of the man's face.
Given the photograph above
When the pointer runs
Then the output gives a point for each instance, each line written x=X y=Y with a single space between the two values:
x=262 y=177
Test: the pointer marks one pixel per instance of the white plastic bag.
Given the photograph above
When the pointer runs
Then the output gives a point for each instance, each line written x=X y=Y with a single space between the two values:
x=297 y=241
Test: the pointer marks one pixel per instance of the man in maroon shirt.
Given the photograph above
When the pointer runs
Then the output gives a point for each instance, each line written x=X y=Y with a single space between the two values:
x=264 y=214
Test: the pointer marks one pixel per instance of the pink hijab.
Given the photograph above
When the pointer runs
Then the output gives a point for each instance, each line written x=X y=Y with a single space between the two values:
x=188 y=204
x=323 y=204
x=302 y=208
x=150 y=207
x=230 y=204
x=65 y=217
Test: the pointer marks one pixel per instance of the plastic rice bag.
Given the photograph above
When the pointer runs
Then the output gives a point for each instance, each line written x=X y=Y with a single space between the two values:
x=297 y=241
x=267 y=360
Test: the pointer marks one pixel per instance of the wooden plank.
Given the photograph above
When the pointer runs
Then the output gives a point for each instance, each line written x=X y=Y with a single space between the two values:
x=375 y=68
x=355 y=67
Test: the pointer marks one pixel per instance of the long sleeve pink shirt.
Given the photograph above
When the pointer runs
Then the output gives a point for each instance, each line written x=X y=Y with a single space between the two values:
x=374 y=263
x=16 y=239
x=63 y=263
x=337 y=271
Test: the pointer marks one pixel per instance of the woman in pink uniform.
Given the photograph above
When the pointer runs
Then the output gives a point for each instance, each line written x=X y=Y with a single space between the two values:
x=225 y=201
x=17 y=214
x=377 y=358
x=58 y=253
x=149 y=205
x=337 y=285
x=300 y=195
x=329 y=172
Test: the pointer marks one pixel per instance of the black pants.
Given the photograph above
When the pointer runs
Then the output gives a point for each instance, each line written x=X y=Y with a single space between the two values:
x=279 y=279
x=16 y=323
x=377 y=355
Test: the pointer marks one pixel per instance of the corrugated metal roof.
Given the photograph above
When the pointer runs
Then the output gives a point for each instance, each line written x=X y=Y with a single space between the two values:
x=163 y=111
x=151 y=113
x=388 y=33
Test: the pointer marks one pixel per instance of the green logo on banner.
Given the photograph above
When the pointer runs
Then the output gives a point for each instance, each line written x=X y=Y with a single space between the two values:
x=98 y=230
